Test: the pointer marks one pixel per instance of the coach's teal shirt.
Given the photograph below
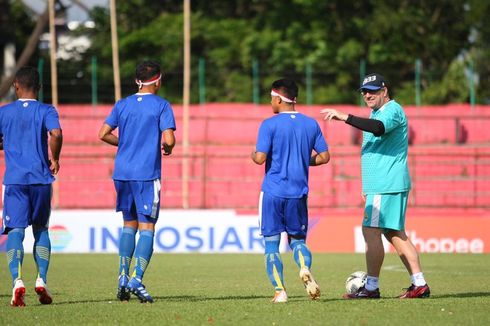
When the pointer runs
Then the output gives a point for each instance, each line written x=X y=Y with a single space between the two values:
x=384 y=158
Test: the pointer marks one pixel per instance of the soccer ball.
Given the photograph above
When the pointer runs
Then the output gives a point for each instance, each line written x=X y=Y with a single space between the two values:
x=355 y=281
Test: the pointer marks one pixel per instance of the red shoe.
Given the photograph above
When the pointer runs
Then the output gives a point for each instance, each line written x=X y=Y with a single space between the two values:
x=18 y=293
x=362 y=293
x=43 y=292
x=416 y=292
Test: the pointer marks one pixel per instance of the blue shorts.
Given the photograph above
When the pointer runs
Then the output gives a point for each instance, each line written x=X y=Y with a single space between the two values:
x=138 y=200
x=277 y=215
x=25 y=205
x=386 y=211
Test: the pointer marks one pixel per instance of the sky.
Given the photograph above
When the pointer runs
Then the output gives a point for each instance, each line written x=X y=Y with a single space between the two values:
x=75 y=13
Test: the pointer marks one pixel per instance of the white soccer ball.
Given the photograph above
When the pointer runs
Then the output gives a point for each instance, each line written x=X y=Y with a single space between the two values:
x=355 y=281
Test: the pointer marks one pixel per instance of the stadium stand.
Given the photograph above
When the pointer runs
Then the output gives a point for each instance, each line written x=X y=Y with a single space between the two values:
x=449 y=158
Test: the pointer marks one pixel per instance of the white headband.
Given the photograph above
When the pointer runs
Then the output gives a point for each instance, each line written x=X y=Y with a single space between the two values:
x=284 y=98
x=148 y=82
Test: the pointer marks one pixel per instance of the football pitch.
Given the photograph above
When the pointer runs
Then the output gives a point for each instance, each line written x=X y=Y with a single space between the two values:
x=209 y=289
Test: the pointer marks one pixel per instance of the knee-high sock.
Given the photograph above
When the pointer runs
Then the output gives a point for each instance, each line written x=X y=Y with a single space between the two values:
x=143 y=252
x=126 y=249
x=15 y=252
x=301 y=252
x=42 y=252
x=273 y=262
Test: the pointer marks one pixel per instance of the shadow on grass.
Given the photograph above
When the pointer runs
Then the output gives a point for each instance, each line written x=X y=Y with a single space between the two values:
x=461 y=295
x=293 y=298
x=193 y=298
x=69 y=302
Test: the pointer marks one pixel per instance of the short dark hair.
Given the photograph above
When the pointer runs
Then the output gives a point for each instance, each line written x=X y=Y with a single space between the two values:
x=28 y=78
x=146 y=70
x=287 y=87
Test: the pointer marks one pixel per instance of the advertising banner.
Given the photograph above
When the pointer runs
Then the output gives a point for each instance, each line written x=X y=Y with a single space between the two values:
x=429 y=234
x=224 y=231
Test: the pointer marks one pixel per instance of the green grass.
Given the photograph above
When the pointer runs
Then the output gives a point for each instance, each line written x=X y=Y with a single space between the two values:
x=234 y=290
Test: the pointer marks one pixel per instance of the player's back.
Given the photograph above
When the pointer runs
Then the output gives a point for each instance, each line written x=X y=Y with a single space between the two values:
x=24 y=125
x=140 y=118
x=293 y=136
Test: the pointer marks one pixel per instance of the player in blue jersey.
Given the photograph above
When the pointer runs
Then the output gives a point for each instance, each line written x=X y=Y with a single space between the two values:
x=141 y=119
x=24 y=128
x=385 y=186
x=285 y=144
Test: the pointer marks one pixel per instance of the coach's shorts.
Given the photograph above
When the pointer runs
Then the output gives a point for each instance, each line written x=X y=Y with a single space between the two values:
x=278 y=214
x=386 y=211
x=138 y=200
x=25 y=205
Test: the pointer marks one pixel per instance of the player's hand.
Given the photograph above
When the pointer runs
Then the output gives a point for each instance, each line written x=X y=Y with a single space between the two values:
x=363 y=196
x=54 y=166
x=167 y=150
x=332 y=114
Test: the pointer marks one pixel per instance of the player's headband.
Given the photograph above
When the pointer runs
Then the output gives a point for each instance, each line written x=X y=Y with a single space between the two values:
x=275 y=92
x=149 y=81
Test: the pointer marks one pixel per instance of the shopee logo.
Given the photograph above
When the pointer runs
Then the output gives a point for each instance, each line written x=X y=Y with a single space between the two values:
x=447 y=245
x=429 y=245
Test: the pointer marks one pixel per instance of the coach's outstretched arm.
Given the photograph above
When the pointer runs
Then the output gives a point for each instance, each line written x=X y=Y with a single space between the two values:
x=106 y=135
x=370 y=125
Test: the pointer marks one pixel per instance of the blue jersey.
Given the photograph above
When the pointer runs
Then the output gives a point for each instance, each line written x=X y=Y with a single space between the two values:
x=288 y=139
x=384 y=158
x=140 y=119
x=24 y=126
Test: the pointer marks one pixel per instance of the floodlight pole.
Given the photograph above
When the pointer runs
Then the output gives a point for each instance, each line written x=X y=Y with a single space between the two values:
x=115 y=52
x=186 y=100
x=52 y=52
x=54 y=80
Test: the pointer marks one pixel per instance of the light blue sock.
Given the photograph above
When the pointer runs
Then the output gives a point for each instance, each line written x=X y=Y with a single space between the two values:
x=15 y=252
x=42 y=251
x=301 y=252
x=273 y=262
x=143 y=252
x=126 y=249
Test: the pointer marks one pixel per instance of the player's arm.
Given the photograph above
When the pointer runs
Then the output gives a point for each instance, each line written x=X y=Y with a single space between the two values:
x=168 y=141
x=55 y=144
x=106 y=135
x=370 y=125
x=258 y=157
x=320 y=158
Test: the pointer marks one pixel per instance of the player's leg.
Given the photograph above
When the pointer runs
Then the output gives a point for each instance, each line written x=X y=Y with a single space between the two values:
x=15 y=258
x=127 y=241
x=271 y=225
x=42 y=253
x=15 y=219
x=144 y=249
x=142 y=256
x=296 y=212
x=147 y=200
x=125 y=204
x=405 y=248
x=274 y=267
x=410 y=258
x=375 y=254
x=301 y=253
x=372 y=232
x=40 y=197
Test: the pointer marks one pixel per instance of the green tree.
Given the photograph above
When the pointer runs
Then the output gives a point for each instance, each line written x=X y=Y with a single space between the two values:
x=286 y=36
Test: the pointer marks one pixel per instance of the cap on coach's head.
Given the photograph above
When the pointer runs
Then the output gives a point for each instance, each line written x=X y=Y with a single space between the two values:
x=373 y=82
